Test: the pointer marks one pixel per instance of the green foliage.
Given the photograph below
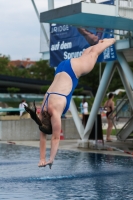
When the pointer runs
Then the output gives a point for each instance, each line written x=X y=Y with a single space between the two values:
x=4 y=61
x=13 y=104
x=90 y=102
x=13 y=90
x=41 y=70
x=44 y=88
x=116 y=83
x=78 y=91
x=77 y=102
x=92 y=79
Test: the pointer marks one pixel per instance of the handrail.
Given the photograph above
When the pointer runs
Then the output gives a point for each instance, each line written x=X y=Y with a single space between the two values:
x=118 y=109
x=124 y=126
x=11 y=109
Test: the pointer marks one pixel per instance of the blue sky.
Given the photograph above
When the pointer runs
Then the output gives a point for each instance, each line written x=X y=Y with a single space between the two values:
x=20 y=28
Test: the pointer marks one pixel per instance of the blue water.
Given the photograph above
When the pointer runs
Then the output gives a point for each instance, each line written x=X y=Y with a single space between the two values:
x=74 y=175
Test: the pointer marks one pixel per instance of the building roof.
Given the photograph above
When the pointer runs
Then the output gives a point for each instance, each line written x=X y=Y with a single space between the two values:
x=22 y=63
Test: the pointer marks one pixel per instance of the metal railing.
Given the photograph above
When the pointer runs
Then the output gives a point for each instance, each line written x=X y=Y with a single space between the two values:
x=125 y=8
x=115 y=115
x=118 y=135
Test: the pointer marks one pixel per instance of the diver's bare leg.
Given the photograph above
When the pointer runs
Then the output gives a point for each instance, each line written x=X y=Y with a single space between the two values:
x=100 y=47
x=90 y=55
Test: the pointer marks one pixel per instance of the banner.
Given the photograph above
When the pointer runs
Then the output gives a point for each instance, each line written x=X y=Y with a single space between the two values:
x=68 y=42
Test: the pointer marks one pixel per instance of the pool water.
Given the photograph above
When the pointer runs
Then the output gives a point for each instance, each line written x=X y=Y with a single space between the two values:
x=74 y=175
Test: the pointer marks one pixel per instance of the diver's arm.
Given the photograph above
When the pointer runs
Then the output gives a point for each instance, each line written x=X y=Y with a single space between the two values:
x=42 y=149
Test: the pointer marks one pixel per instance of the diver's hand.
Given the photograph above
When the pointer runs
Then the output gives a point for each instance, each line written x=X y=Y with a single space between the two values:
x=42 y=163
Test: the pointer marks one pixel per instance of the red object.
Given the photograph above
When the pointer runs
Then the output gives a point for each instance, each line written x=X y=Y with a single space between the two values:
x=38 y=110
x=131 y=153
x=10 y=142
x=61 y=135
x=103 y=114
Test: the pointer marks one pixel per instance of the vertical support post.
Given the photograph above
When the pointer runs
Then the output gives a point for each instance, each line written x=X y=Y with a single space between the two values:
x=96 y=132
x=106 y=77
x=117 y=8
x=131 y=3
x=50 y=4
x=128 y=3
x=38 y=16
x=50 y=7
x=76 y=118
x=100 y=71
x=125 y=67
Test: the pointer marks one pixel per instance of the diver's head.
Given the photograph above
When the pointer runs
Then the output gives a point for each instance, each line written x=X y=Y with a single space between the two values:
x=45 y=126
x=111 y=95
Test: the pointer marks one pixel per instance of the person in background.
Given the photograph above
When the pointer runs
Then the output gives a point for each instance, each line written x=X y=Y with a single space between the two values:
x=109 y=107
x=21 y=106
x=85 y=112
x=85 y=107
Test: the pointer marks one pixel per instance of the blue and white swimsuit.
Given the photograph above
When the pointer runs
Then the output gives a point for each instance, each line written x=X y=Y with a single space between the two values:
x=64 y=66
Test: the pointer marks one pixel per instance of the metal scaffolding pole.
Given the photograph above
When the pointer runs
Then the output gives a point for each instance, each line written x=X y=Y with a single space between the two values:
x=126 y=85
x=104 y=83
x=42 y=26
x=50 y=4
x=76 y=118
x=125 y=67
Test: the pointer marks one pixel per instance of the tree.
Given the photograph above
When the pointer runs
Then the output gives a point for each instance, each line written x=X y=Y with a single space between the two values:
x=4 y=61
x=13 y=90
x=41 y=70
x=91 y=79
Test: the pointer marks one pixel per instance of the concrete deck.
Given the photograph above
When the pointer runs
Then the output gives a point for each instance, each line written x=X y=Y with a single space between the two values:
x=111 y=148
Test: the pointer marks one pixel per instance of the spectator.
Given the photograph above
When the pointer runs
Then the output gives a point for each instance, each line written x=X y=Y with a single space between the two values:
x=85 y=107
x=109 y=107
x=21 y=106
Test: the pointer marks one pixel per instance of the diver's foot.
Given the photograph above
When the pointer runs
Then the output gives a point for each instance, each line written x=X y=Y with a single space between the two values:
x=109 y=140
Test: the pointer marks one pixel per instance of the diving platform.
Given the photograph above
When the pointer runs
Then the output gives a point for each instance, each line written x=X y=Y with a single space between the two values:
x=91 y=14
